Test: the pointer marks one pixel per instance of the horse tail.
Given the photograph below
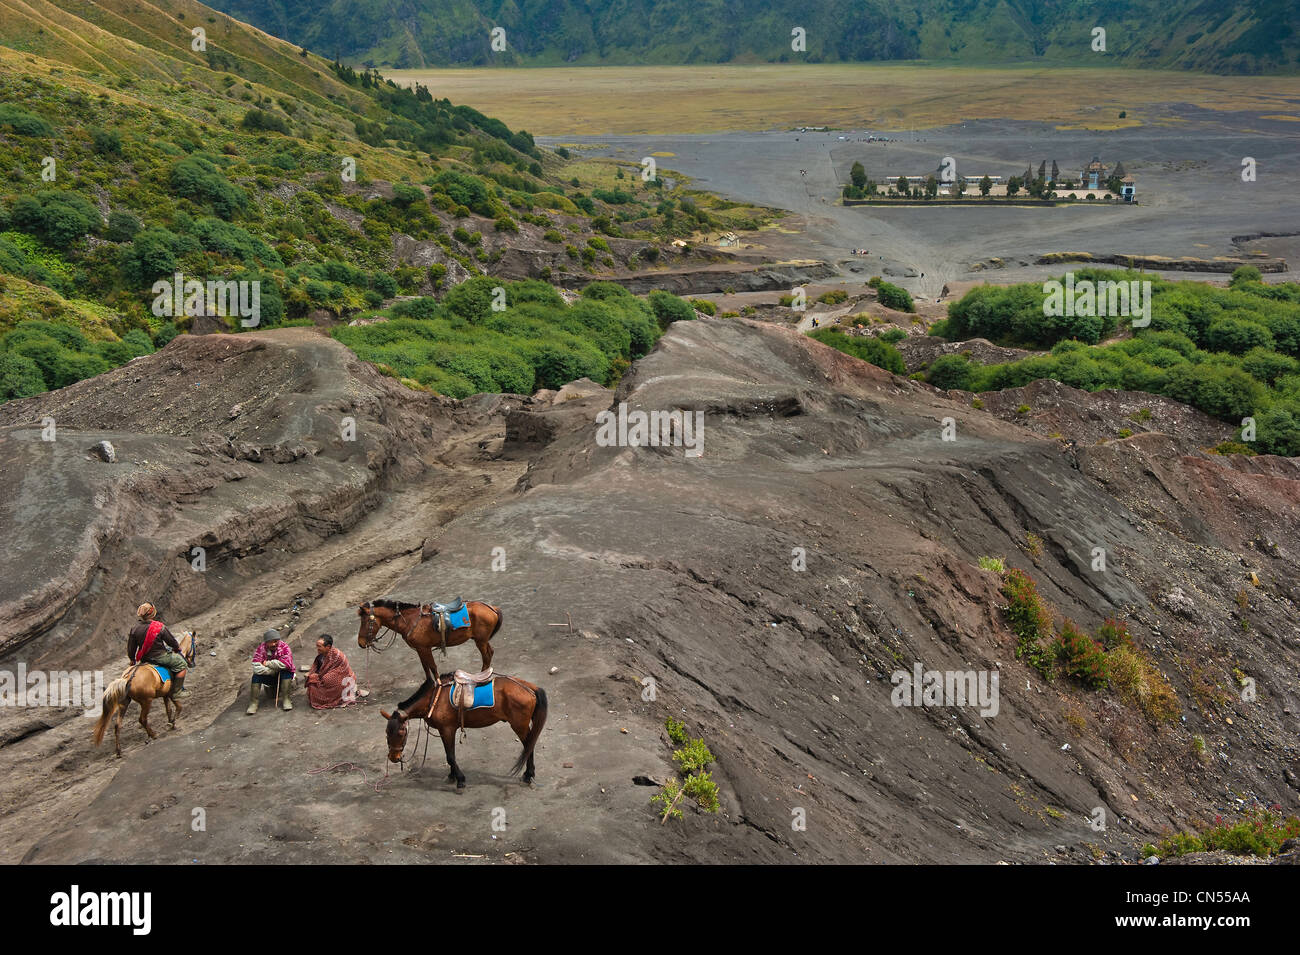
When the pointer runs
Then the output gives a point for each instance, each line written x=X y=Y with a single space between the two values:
x=500 y=617
x=534 y=731
x=113 y=697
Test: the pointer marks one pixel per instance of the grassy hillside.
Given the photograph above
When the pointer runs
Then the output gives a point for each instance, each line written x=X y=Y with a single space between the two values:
x=1228 y=36
x=134 y=151
x=1233 y=353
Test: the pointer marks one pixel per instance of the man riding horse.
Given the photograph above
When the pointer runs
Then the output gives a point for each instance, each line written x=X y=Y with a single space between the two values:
x=152 y=642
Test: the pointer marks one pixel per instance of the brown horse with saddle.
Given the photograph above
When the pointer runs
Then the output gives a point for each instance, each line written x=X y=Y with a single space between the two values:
x=142 y=683
x=426 y=627
x=458 y=701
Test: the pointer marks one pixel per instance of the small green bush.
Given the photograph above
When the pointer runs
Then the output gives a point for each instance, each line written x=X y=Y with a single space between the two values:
x=892 y=296
x=1079 y=657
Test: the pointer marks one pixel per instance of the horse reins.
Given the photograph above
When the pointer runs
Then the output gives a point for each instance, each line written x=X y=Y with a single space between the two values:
x=373 y=642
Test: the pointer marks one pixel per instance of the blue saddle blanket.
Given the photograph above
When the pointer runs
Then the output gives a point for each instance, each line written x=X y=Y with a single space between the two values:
x=484 y=695
x=458 y=619
x=164 y=674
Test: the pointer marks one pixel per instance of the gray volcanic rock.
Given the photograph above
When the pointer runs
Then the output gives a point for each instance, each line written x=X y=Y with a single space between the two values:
x=827 y=536
x=191 y=474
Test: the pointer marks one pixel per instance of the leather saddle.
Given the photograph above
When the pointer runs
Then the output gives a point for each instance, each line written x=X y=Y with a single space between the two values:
x=450 y=616
x=455 y=607
x=464 y=684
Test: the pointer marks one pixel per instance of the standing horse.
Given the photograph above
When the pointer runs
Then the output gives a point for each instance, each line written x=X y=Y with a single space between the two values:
x=517 y=702
x=140 y=682
x=419 y=628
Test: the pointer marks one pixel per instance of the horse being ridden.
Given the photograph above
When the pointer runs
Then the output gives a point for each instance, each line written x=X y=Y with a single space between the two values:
x=141 y=682
x=517 y=702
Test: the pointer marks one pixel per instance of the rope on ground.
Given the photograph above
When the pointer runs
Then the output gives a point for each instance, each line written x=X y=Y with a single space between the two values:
x=352 y=767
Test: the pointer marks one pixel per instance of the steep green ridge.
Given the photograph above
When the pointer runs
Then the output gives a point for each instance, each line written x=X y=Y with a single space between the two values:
x=1226 y=36
x=137 y=149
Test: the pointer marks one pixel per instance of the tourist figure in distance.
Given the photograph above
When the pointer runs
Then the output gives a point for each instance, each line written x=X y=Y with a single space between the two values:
x=330 y=682
x=151 y=642
x=273 y=667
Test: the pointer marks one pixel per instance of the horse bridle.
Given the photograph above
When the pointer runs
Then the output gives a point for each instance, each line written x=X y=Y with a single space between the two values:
x=372 y=640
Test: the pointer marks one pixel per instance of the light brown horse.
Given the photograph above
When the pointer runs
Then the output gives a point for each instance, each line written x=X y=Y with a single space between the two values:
x=140 y=682
x=418 y=626
x=517 y=702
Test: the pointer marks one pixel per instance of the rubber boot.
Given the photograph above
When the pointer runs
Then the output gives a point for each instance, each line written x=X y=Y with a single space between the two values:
x=253 y=694
x=286 y=688
x=178 y=687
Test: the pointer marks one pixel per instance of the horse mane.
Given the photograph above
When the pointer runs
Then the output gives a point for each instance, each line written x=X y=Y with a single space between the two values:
x=393 y=605
x=424 y=688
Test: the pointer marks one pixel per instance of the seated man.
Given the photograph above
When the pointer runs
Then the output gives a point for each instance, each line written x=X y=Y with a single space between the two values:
x=331 y=681
x=152 y=642
x=273 y=667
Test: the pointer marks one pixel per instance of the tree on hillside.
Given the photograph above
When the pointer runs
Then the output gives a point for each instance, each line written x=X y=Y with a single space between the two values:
x=950 y=372
x=55 y=216
x=858 y=175
x=901 y=186
x=985 y=185
x=1013 y=185
x=931 y=187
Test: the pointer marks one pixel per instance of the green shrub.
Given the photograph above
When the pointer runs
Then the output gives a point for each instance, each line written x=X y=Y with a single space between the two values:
x=462 y=346
x=668 y=308
x=1029 y=619
x=872 y=350
x=20 y=377
x=1258 y=833
x=197 y=178
x=891 y=296
x=418 y=308
x=55 y=216
x=693 y=759
x=405 y=194
x=1079 y=657
x=950 y=372
x=472 y=300
x=122 y=226
x=23 y=123
x=260 y=121
x=106 y=143
x=465 y=190
x=151 y=254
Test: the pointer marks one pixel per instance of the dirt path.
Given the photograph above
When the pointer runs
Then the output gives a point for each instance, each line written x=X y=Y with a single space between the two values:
x=54 y=772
